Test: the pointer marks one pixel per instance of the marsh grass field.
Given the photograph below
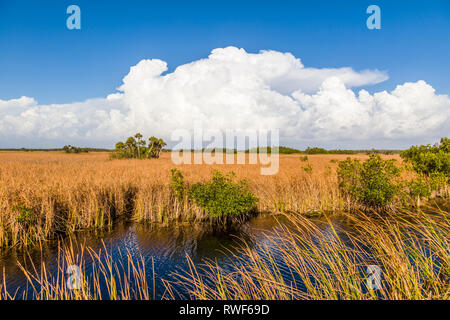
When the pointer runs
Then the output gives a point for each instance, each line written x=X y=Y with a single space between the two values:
x=60 y=195
x=69 y=192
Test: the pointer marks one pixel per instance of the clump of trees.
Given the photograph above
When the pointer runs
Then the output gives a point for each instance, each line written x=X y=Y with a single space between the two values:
x=136 y=148
x=317 y=150
x=73 y=149
x=280 y=150
x=385 y=152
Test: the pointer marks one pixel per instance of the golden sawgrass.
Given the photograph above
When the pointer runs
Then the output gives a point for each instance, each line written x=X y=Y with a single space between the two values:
x=411 y=248
x=106 y=279
x=70 y=192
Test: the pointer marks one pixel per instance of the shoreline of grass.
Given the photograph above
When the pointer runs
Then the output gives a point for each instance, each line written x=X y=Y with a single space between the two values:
x=44 y=196
x=411 y=248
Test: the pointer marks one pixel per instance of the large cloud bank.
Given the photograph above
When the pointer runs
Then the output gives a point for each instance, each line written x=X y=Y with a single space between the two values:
x=233 y=89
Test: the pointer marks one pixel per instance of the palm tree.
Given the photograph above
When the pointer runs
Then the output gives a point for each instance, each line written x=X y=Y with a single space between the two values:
x=161 y=144
x=154 y=147
x=131 y=144
x=120 y=145
x=138 y=136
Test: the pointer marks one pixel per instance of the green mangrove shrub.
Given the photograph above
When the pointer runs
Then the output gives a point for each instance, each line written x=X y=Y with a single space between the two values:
x=438 y=181
x=177 y=184
x=372 y=184
x=430 y=159
x=222 y=197
x=432 y=164
x=419 y=188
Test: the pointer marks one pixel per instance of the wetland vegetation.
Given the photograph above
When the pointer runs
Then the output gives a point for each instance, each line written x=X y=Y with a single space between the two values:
x=333 y=215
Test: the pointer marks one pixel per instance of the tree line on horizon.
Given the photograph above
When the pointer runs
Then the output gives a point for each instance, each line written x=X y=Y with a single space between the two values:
x=136 y=147
x=288 y=150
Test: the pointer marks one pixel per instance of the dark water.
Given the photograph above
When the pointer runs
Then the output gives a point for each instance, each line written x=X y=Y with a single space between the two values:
x=163 y=248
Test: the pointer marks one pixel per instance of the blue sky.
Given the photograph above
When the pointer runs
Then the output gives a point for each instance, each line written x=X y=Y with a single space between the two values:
x=56 y=67
x=41 y=58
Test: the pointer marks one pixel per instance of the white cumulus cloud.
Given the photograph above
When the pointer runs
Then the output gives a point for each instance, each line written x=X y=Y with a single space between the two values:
x=233 y=89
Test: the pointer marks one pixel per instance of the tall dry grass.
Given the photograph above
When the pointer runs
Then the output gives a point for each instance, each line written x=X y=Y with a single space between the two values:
x=301 y=260
x=69 y=192
x=101 y=277
x=411 y=249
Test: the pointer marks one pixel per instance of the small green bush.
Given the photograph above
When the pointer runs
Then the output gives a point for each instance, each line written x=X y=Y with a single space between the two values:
x=372 y=183
x=419 y=187
x=438 y=181
x=26 y=215
x=308 y=168
x=303 y=159
x=177 y=184
x=222 y=197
